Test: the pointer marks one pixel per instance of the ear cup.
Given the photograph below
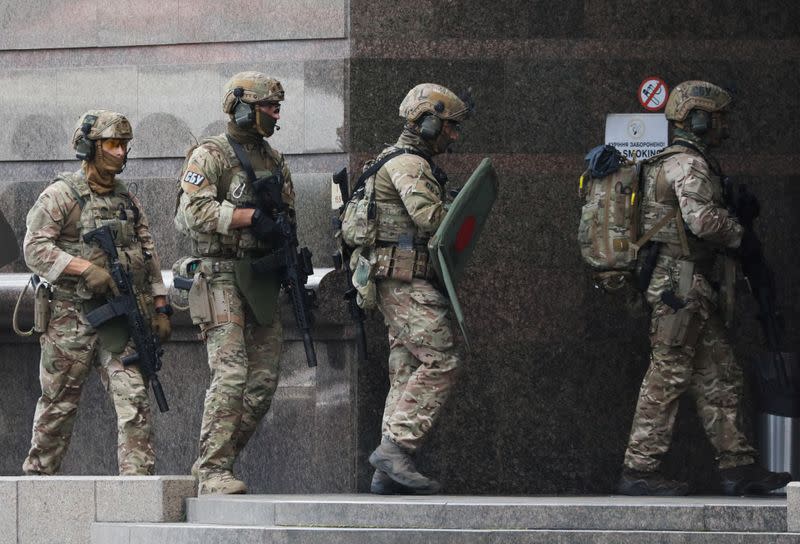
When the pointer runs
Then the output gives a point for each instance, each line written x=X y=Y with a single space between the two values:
x=84 y=147
x=243 y=115
x=430 y=127
x=700 y=121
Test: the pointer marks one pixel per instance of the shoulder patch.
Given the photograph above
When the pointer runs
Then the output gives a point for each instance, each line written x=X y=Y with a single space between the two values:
x=193 y=177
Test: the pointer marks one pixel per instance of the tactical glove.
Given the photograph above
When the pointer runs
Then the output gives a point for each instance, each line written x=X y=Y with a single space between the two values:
x=264 y=228
x=99 y=281
x=161 y=326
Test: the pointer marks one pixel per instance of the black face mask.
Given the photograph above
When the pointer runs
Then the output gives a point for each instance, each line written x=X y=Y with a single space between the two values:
x=266 y=125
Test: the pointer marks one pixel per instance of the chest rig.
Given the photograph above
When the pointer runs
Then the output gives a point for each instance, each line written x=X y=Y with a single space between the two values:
x=118 y=211
x=394 y=224
x=235 y=187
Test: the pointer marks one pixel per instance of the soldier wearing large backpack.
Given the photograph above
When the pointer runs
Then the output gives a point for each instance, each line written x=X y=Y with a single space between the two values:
x=405 y=205
x=229 y=225
x=690 y=350
x=70 y=207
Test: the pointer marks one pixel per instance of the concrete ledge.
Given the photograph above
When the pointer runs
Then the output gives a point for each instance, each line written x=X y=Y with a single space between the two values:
x=61 y=509
x=793 y=506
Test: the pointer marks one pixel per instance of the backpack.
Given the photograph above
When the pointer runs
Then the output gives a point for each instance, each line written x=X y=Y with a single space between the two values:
x=609 y=231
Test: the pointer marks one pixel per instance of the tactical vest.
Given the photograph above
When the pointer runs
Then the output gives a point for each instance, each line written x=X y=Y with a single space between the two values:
x=394 y=224
x=116 y=210
x=660 y=202
x=236 y=188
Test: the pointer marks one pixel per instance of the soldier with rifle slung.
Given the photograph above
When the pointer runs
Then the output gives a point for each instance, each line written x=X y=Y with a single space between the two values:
x=690 y=349
x=57 y=249
x=236 y=204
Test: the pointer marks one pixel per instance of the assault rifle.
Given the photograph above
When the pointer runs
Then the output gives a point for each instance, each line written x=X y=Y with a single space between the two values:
x=341 y=261
x=744 y=204
x=292 y=263
x=148 y=348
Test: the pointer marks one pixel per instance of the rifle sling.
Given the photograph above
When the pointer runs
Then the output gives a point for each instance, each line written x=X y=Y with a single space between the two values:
x=247 y=166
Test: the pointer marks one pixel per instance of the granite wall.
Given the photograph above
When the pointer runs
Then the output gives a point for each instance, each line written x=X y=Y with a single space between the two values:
x=545 y=400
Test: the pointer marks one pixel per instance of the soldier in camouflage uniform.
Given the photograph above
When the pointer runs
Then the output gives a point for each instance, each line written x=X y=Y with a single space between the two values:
x=220 y=212
x=423 y=361
x=68 y=208
x=690 y=351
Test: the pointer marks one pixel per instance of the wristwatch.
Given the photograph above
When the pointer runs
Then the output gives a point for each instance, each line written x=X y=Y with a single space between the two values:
x=166 y=310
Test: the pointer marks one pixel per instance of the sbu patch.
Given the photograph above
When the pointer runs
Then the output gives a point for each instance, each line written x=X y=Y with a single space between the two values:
x=194 y=178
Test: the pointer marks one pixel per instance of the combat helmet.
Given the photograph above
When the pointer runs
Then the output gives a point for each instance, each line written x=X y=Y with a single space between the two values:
x=435 y=100
x=695 y=95
x=243 y=92
x=98 y=125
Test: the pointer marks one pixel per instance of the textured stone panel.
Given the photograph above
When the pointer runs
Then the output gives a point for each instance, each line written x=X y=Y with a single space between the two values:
x=143 y=498
x=47 y=24
x=727 y=18
x=324 y=107
x=55 y=509
x=176 y=103
x=91 y=23
x=8 y=511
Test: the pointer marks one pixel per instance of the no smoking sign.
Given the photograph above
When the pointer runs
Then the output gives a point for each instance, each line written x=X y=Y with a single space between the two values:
x=653 y=93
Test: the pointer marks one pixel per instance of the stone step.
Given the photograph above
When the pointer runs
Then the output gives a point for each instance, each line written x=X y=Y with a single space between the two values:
x=737 y=514
x=175 y=533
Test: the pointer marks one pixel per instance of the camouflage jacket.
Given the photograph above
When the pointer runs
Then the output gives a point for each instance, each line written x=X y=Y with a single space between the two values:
x=213 y=185
x=409 y=198
x=58 y=220
x=683 y=179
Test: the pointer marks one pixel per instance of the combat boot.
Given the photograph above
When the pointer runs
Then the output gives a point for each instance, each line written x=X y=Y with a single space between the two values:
x=751 y=479
x=382 y=484
x=222 y=483
x=397 y=464
x=637 y=482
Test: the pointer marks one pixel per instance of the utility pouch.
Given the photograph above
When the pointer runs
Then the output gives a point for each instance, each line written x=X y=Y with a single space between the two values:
x=402 y=264
x=678 y=329
x=200 y=300
x=359 y=220
x=41 y=306
x=364 y=281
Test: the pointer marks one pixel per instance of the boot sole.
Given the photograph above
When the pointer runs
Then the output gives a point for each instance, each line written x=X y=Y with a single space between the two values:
x=751 y=488
x=641 y=490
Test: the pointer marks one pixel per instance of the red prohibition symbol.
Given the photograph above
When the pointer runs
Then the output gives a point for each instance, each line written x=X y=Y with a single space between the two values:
x=653 y=93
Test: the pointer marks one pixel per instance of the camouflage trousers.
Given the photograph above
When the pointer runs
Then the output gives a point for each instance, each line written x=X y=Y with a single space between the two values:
x=423 y=360
x=244 y=361
x=689 y=352
x=70 y=347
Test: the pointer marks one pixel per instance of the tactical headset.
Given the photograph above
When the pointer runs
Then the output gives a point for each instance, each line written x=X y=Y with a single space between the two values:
x=431 y=125
x=699 y=121
x=84 y=147
x=244 y=114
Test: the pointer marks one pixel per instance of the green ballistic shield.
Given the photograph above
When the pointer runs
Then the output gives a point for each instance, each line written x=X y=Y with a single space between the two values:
x=452 y=245
x=9 y=247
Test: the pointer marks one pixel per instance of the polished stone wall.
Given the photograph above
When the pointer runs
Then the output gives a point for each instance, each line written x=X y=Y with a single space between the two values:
x=545 y=400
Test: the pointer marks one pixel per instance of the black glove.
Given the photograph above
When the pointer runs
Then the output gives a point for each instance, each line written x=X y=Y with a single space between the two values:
x=750 y=246
x=264 y=228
